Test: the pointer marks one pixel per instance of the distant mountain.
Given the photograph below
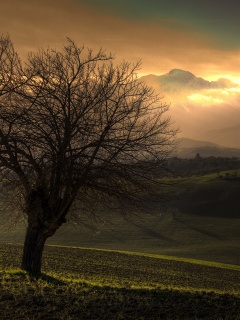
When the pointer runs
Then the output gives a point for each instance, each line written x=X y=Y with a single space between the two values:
x=178 y=80
x=191 y=143
x=188 y=148
x=229 y=136
x=201 y=108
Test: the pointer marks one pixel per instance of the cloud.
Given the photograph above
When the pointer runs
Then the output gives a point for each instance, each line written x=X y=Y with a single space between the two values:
x=204 y=100
x=197 y=105
x=161 y=45
x=212 y=97
x=201 y=111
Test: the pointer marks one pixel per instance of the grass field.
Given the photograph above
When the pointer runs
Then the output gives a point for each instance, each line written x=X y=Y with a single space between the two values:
x=83 y=283
x=192 y=236
x=181 y=264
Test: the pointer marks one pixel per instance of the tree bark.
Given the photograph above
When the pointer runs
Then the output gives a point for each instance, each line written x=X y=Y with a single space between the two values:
x=33 y=249
x=43 y=222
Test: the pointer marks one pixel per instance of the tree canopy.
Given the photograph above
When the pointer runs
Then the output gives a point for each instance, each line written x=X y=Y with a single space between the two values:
x=76 y=129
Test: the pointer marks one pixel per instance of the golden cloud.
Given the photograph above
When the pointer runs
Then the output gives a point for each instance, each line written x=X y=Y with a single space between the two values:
x=161 y=46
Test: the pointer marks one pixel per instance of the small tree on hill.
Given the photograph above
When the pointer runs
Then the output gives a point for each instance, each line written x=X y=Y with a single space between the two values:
x=76 y=130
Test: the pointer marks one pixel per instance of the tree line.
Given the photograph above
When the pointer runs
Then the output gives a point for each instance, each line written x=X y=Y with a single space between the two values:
x=200 y=165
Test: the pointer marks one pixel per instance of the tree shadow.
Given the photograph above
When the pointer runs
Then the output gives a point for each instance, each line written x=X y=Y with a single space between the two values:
x=152 y=233
x=207 y=233
x=49 y=279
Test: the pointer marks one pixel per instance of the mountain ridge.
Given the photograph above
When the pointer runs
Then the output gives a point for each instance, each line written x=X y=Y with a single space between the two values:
x=179 y=80
x=188 y=148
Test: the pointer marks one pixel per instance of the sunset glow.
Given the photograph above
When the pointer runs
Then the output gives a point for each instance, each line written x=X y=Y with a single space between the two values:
x=205 y=100
x=120 y=159
x=201 y=38
x=162 y=36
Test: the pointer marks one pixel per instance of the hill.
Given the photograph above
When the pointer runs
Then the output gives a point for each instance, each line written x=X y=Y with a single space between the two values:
x=203 y=225
x=149 y=267
x=98 y=284
x=188 y=148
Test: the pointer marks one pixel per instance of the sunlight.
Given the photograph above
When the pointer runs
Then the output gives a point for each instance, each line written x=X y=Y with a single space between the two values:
x=214 y=96
x=234 y=79
x=205 y=99
x=234 y=89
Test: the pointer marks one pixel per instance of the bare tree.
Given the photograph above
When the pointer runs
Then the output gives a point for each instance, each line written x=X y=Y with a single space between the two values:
x=76 y=130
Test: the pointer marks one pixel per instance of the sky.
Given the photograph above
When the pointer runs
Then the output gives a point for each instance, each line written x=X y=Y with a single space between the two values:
x=195 y=35
x=200 y=36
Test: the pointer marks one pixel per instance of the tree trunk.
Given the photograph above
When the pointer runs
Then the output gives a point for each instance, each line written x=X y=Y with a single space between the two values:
x=33 y=249
x=42 y=224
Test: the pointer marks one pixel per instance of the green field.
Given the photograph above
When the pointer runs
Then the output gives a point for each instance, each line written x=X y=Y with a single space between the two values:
x=205 y=226
x=192 y=236
x=173 y=264
x=97 y=284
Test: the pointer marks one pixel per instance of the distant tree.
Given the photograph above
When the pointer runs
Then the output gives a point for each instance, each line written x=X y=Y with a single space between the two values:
x=198 y=157
x=77 y=132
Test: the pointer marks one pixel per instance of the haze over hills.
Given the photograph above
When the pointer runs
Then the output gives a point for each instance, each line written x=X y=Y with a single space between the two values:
x=202 y=109
x=227 y=136
x=188 y=148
